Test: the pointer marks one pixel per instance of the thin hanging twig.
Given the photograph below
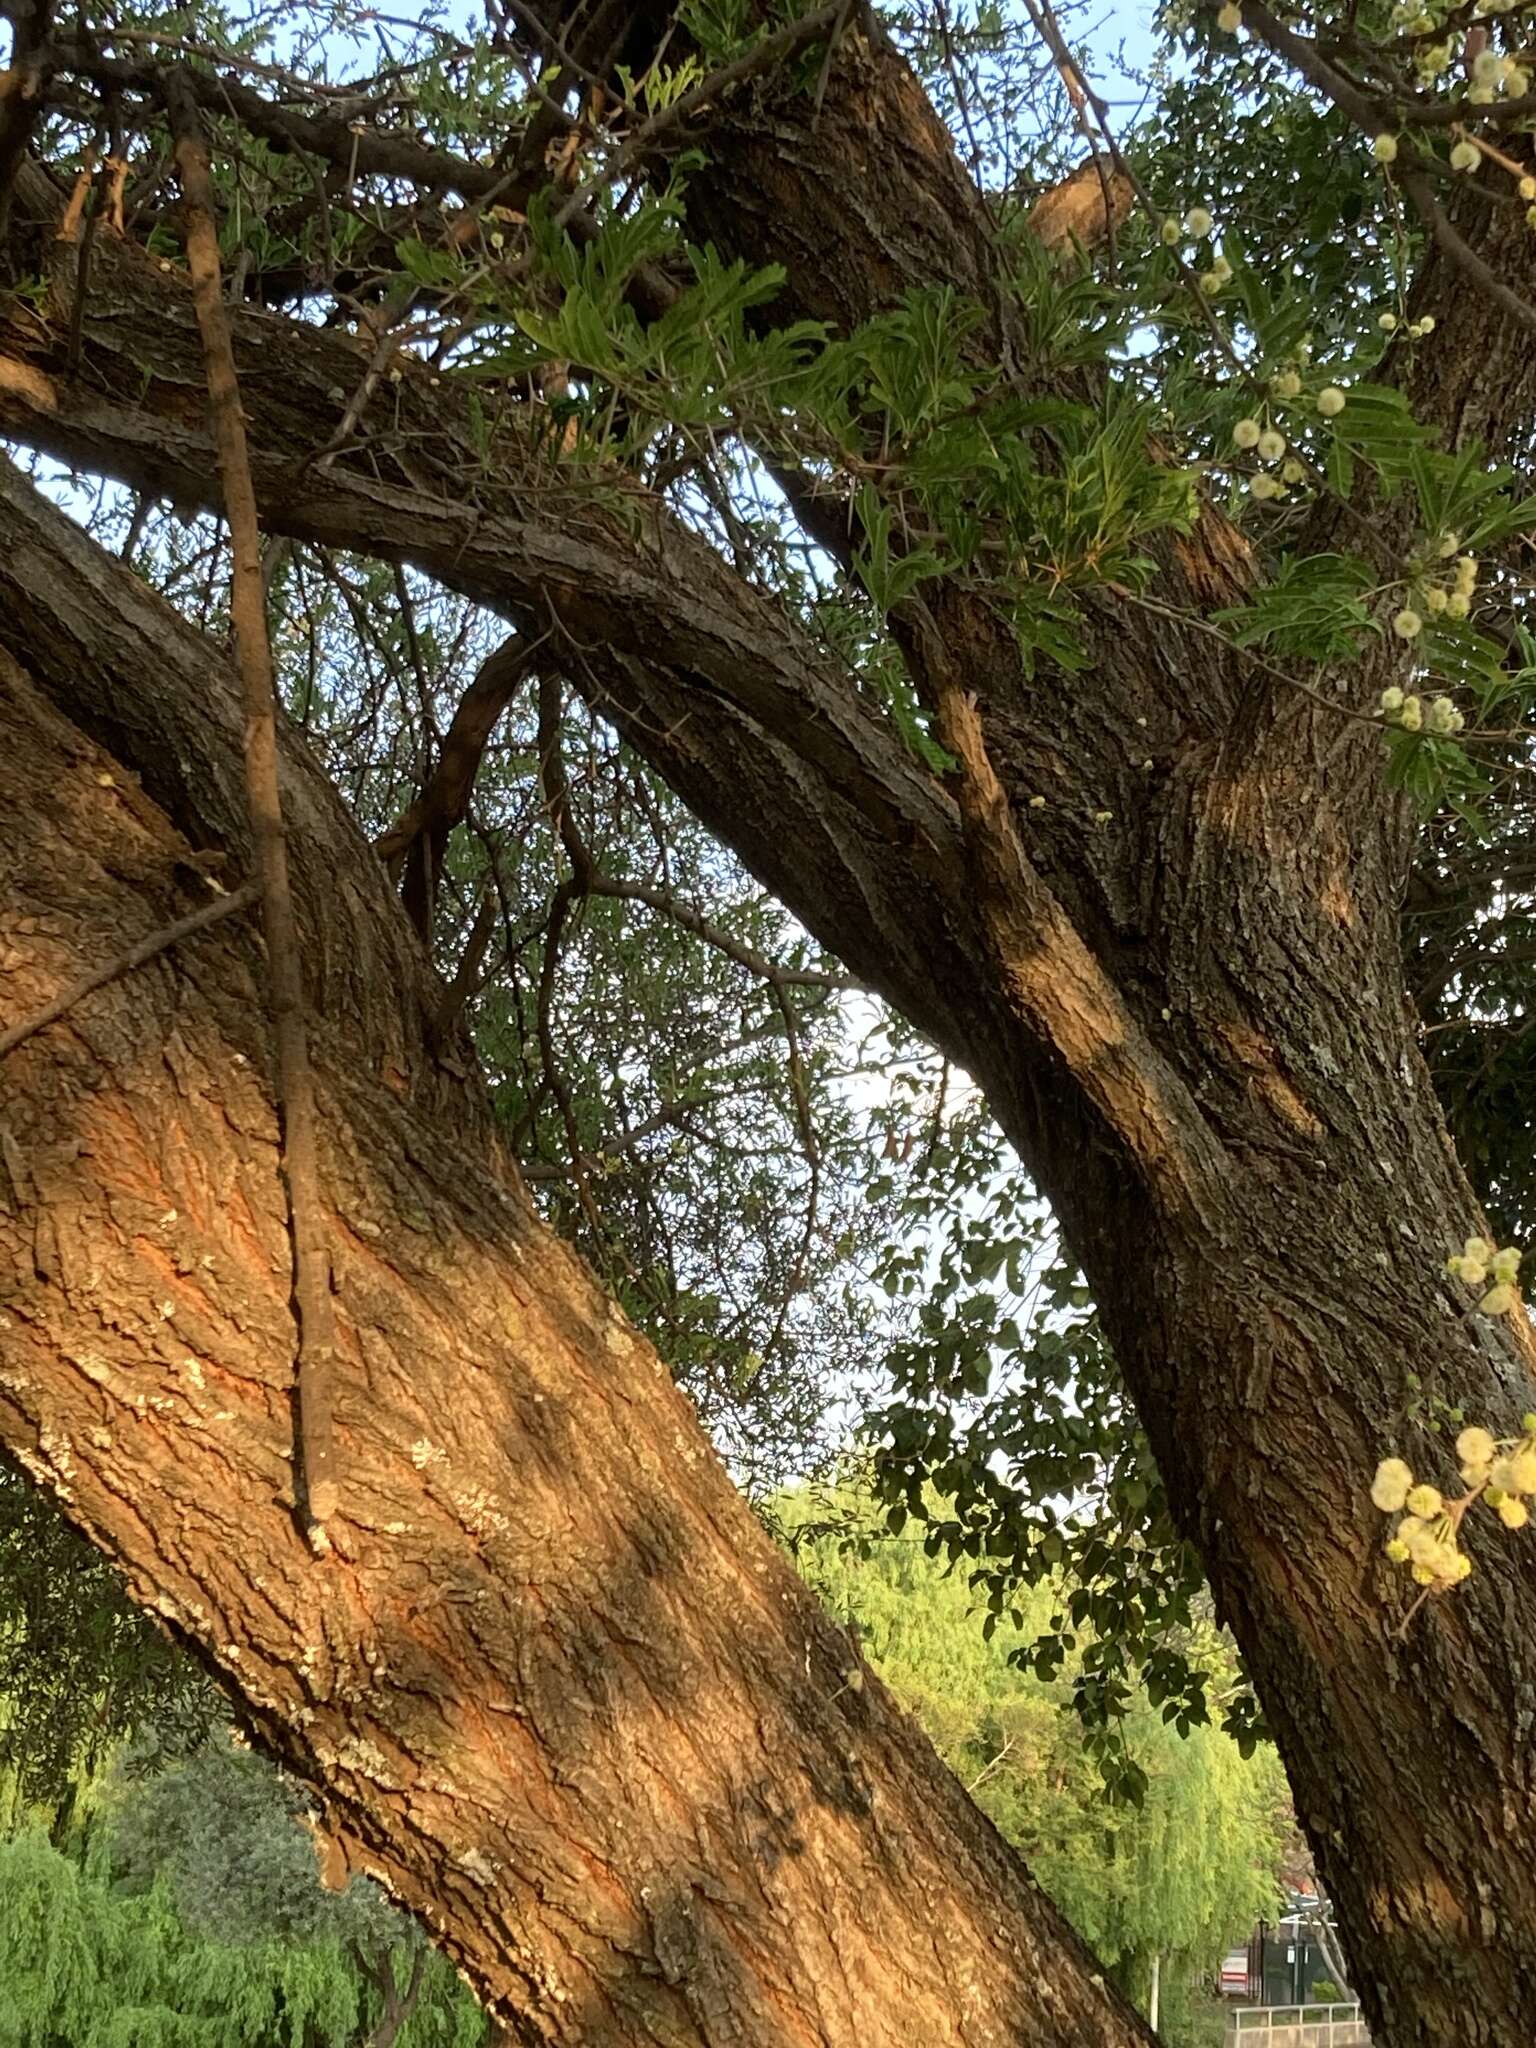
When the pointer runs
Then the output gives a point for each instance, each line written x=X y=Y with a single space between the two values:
x=125 y=962
x=315 y=1476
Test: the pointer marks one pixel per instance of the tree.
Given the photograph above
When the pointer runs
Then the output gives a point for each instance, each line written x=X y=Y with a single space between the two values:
x=1181 y=985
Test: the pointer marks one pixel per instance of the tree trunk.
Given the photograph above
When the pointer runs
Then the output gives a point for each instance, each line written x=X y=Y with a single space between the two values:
x=1233 y=1121
x=557 y=1688
x=1180 y=984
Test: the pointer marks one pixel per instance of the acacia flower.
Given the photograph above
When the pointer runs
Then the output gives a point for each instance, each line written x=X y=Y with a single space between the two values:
x=1229 y=18
x=1198 y=221
x=1384 y=149
x=1514 y=1514
x=1498 y=1301
x=1286 y=384
x=1392 y=1485
x=1475 y=1446
x=1425 y=1502
x=1271 y=444
x=1330 y=401
x=1407 y=625
x=1247 y=433
x=1466 y=156
x=1392 y=701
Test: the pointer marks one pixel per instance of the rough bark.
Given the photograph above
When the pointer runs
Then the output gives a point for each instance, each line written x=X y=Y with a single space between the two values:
x=1189 y=1018
x=557 y=1686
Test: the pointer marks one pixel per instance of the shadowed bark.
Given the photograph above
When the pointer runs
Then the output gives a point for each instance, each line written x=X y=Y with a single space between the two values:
x=556 y=1687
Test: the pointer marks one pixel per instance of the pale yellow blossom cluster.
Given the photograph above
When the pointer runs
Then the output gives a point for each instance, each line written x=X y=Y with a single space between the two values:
x=1503 y=1474
x=1198 y=225
x=1257 y=434
x=1436 y=591
x=1402 y=708
x=1499 y=1472
x=1425 y=1538
x=1480 y=1263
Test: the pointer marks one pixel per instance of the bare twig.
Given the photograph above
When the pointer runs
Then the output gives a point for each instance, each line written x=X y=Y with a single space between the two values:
x=135 y=956
x=314 y=1436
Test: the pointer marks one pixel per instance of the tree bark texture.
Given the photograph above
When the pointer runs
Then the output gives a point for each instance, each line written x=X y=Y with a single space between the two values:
x=557 y=1687
x=1178 y=979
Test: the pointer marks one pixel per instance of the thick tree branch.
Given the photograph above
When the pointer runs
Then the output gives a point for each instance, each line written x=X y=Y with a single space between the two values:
x=565 y=1697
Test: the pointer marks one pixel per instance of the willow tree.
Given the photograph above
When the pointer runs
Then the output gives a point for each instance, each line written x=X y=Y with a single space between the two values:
x=1062 y=645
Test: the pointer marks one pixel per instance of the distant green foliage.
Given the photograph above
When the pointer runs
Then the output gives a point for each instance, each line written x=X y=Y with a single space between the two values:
x=192 y=1916
x=1009 y=1446
x=1183 y=1874
x=81 y=1668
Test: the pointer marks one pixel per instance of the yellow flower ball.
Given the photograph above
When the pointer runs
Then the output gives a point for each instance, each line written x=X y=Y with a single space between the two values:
x=1424 y=1501
x=1514 y=1514
x=1476 y=1446
x=1392 y=1485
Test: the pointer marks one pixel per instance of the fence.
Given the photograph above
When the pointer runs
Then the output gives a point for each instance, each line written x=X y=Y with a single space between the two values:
x=1296 y=2026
